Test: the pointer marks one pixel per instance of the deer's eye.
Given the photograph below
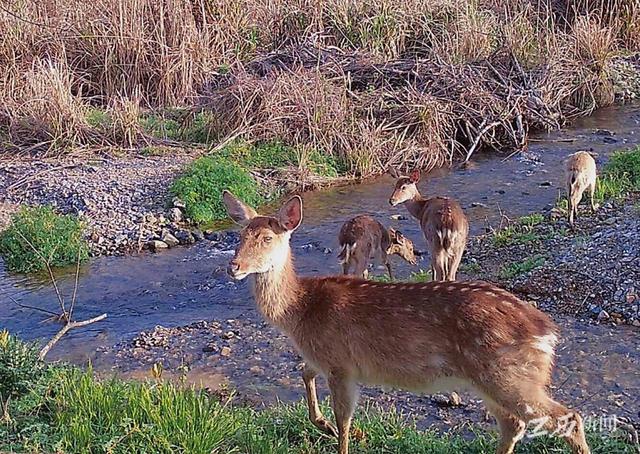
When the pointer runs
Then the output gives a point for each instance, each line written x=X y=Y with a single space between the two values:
x=267 y=239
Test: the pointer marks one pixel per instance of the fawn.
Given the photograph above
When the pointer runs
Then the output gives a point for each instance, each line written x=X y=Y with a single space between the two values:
x=411 y=336
x=442 y=221
x=580 y=175
x=362 y=237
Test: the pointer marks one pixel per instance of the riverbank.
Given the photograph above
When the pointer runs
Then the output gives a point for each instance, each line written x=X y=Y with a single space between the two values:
x=61 y=408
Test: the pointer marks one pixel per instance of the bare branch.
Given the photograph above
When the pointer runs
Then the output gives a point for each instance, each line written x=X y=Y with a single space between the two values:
x=65 y=329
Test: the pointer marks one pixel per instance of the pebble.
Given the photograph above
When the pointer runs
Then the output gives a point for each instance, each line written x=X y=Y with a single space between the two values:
x=169 y=239
x=226 y=351
x=156 y=245
x=175 y=215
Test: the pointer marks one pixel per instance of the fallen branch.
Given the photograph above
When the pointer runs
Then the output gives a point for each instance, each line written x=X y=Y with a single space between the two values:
x=476 y=142
x=65 y=329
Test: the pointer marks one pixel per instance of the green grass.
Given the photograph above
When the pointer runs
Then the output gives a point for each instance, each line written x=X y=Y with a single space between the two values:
x=520 y=232
x=65 y=409
x=414 y=276
x=57 y=239
x=201 y=186
x=515 y=269
x=470 y=268
x=262 y=155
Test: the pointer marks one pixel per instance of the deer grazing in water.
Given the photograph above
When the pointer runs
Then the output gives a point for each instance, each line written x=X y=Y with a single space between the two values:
x=411 y=336
x=362 y=237
x=580 y=175
x=442 y=221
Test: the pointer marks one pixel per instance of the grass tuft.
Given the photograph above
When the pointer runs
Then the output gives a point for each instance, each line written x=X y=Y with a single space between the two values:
x=201 y=186
x=39 y=235
x=516 y=269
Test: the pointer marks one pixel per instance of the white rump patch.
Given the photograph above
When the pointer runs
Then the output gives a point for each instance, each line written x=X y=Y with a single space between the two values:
x=546 y=343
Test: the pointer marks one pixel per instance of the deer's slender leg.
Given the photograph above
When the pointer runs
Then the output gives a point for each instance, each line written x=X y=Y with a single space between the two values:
x=315 y=414
x=344 y=394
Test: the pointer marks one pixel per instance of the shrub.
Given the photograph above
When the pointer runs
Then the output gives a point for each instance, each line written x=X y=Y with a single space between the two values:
x=201 y=186
x=38 y=236
x=262 y=155
x=19 y=366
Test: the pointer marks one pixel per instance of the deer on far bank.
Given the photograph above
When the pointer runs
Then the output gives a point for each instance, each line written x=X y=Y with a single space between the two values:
x=411 y=336
x=580 y=175
x=443 y=223
x=362 y=237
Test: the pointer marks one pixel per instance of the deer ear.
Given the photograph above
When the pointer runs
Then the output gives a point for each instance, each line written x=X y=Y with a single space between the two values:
x=238 y=211
x=399 y=236
x=414 y=176
x=290 y=214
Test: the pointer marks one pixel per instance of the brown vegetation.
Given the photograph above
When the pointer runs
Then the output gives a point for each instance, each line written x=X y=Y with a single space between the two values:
x=373 y=83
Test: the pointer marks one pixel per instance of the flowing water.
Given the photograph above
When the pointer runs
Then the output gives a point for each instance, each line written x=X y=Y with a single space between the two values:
x=184 y=285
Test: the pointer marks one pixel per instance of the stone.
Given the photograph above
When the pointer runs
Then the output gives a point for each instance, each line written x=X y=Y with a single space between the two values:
x=478 y=205
x=452 y=400
x=156 y=245
x=175 y=215
x=228 y=335
x=603 y=315
x=178 y=203
x=169 y=239
x=210 y=348
x=197 y=234
x=398 y=217
x=184 y=237
x=226 y=351
x=636 y=323
x=257 y=370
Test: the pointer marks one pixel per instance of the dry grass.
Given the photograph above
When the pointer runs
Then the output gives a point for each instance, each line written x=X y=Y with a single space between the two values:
x=373 y=83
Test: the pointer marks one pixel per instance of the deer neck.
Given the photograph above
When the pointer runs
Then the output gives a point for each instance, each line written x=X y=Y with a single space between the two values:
x=277 y=293
x=415 y=206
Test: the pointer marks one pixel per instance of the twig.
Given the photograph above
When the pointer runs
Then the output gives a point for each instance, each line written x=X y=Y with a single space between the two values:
x=479 y=136
x=75 y=287
x=26 y=306
x=65 y=329
x=50 y=271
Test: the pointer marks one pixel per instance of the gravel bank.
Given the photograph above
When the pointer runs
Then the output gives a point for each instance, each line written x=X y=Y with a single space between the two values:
x=123 y=199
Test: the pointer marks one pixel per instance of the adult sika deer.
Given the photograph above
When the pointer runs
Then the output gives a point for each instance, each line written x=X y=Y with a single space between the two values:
x=362 y=237
x=580 y=175
x=411 y=336
x=443 y=224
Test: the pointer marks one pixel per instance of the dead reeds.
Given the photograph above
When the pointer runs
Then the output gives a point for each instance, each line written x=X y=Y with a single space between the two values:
x=373 y=83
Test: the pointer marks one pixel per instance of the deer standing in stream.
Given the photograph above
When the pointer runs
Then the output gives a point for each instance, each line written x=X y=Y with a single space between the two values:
x=443 y=224
x=410 y=336
x=362 y=237
x=580 y=175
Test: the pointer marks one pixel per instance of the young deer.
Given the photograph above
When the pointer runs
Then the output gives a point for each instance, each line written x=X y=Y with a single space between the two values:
x=443 y=224
x=362 y=237
x=580 y=175
x=411 y=336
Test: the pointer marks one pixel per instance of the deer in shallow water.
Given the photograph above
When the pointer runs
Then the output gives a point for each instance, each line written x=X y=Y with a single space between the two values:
x=443 y=224
x=362 y=237
x=410 y=336
x=580 y=175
